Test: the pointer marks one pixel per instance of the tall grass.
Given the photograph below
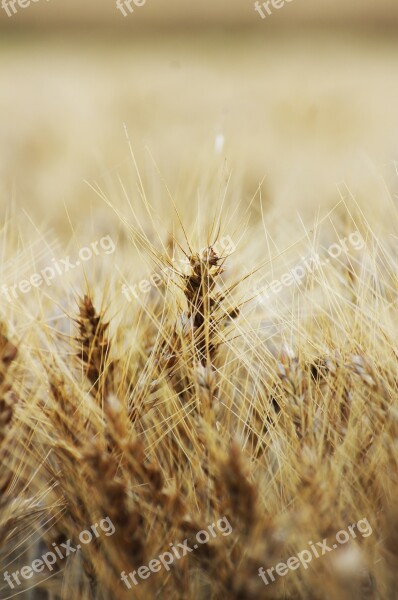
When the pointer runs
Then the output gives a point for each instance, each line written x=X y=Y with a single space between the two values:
x=197 y=401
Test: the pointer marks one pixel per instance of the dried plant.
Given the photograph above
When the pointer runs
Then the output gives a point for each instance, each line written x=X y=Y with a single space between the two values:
x=180 y=409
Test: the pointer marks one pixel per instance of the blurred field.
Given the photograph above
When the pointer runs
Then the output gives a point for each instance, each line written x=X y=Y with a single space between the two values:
x=199 y=398
x=171 y=13
x=301 y=113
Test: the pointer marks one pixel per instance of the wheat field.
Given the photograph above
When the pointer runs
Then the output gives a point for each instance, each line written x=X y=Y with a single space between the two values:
x=198 y=327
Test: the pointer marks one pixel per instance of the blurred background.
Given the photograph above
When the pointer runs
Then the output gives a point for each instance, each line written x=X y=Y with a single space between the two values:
x=169 y=13
x=302 y=103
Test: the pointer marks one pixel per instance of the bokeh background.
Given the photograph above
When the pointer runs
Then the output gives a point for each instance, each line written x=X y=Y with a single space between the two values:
x=169 y=13
x=302 y=104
